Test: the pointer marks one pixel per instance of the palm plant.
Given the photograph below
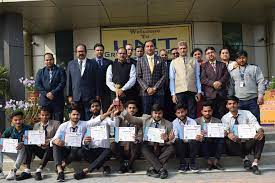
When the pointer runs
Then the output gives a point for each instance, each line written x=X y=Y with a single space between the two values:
x=4 y=81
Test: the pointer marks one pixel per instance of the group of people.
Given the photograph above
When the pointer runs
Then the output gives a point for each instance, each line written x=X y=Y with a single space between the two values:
x=149 y=91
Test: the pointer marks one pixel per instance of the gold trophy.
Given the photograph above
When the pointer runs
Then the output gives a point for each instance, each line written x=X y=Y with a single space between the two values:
x=116 y=101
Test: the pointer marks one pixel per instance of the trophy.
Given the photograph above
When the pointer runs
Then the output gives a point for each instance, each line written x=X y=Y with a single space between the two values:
x=116 y=101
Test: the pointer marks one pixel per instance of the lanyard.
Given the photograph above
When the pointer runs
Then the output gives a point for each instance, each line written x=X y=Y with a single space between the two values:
x=241 y=72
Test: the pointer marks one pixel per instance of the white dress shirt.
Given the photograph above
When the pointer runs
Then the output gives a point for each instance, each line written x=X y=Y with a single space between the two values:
x=83 y=65
x=177 y=123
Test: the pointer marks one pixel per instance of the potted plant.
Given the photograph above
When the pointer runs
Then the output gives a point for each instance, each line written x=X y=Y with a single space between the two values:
x=4 y=82
x=29 y=83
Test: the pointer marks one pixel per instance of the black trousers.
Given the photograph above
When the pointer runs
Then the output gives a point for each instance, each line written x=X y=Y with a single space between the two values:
x=212 y=147
x=157 y=160
x=188 y=98
x=130 y=155
x=219 y=109
x=66 y=154
x=44 y=154
x=85 y=114
x=95 y=156
x=57 y=112
x=245 y=148
x=186 y=150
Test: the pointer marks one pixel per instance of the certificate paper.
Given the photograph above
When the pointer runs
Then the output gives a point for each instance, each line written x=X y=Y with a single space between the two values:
x=190 y=132
x=9 y=145
x=246 y=131
x=73 y=139
x=99 y=132
x=125 y=134
x=215 y=130
x=154 y=134
x=35 y=137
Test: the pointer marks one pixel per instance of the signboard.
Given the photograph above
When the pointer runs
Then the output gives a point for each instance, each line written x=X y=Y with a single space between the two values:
x=267 y=110
x=164 y=37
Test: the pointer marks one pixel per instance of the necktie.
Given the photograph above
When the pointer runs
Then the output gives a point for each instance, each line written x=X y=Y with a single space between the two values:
x=236 y=120
x=45 y=129
x=99 y=62
x=214 y=66
x=80 y=66
x=156 y=145
x=184 y=60
x=151 y=64
x=156 y=125
x=51 y=74
x=74 y=129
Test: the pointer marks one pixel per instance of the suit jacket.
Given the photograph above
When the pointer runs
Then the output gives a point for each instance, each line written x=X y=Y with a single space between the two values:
x=209 y=76
x=51 y=129
x=56 y=86
x=85 y=87
x=147 y=79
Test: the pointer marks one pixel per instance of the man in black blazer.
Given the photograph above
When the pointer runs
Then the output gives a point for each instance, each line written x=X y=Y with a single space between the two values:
x=103 y=64
x=83 y=81
x=50 y=82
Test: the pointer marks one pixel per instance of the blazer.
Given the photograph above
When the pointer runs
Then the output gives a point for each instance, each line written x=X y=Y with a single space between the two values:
x=86 y=87
x=209 y=76
x=51 y=129
x=147 y=79
x=200 y=120
x=56 y=86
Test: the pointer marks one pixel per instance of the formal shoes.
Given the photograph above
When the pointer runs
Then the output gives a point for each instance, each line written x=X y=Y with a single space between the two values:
x=122 y=169
x=151 y=172
x=61 y=177
x=218 y=166
x=23 y=176
x=247 y=164
x=194 y=168
x=106 y=170
x=163 y=173
x=210 y=167
x=38 y=176
x=80 y=175
x=255 y=170
x=183 y=168
x=131 y=169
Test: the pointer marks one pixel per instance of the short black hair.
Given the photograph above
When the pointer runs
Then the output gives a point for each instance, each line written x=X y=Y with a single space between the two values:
x=95 y=101
x=83 y=45
x=48 y=54
x=149 y=41
x=180 y=106
x=16 y=113
x=241 y=53
x=98 y=45
x=121 y=48
x=207 y=104
x=224 y=48
x=45 y=109
x=209 y=48
x=133 y=102
x=174 y=49
x=156 y=107
x=234 y=98
x=194 y=50
x=139 y=47
x=74 y=107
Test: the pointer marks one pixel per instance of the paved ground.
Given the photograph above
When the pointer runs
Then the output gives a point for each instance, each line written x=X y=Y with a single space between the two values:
x=232 y=177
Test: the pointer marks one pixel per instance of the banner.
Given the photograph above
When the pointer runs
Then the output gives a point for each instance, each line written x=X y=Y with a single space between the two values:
x=164 y=37
x=268 y=108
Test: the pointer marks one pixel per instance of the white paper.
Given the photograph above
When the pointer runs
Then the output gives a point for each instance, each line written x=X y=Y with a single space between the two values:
x=73 y=139
x=9 y=145
x=99 y=132
x=36 y=137
x=190 y=132
x=126 y=134
x=215 y=130
x=154 y=134
x=246 y=131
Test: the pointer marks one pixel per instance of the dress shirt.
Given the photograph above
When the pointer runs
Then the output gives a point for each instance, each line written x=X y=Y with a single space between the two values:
x=130 y=83
x=177 y=123
x=83 y=65
x=151 y=62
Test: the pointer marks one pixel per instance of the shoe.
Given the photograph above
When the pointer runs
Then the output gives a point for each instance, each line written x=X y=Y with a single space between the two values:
x=218 y=166
x=151 y=172
x=183 y=168
x=37 y=176
x=2 y=175
x=194 y=168
x=11 y=175
x=131 y=169
x=210 y=167
x=106 y=170
x=256 y=170
x=61 y=177
x=122 y=169
x=23 y=176
x=80 y=175
x=247 y=164
x=163 y=173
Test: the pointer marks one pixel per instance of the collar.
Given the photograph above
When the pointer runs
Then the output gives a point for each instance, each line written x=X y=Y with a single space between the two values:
x=41 y=124
x=148 y=56
x=231 y=115
x=53 y=67
x=97 y=59
x=83 y=61
x=214 y=62
x=204 y=121
x=70 y=124
x=185 y=122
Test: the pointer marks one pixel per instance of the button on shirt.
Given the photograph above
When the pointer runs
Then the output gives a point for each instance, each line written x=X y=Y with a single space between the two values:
x=83 y=65
x=244 y=117
x=177 y=124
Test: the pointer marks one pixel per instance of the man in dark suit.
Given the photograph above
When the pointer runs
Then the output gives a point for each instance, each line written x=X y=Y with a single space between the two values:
x=83 y=81
x=103 y=64
x=214 y=80
x=50 y=82
x=151 y=76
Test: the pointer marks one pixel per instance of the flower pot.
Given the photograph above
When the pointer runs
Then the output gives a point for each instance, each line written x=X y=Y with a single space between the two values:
x=33 y=96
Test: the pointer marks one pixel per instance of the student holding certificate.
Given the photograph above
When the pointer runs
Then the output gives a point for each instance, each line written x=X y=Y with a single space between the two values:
x=212 y=144
x=235 y=119
x=157 y=154
x=16 y=131
x=97 y=150
x=43 y=151
x=185 y=147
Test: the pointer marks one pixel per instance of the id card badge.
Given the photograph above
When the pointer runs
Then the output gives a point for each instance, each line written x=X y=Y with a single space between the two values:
x=242 y=84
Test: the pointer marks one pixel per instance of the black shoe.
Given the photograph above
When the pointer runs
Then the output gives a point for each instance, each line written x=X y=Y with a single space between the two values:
x=163 y=173
x=106 y=170
x=256 y=170
x=218 y=166
x=131 y=169
x=210 y=167
x=151 y=172
x=194 y=168
x=37 y=176
x=23 y=176
x=80 y=175
x=61 y=177
x=247 y=164
x=122 y=169
x=183 y=168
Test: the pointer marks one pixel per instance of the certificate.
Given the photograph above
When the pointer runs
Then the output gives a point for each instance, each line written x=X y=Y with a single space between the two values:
x=215 y=130
x=125 y=134
x=34 y=137
x=73 y=139
x=9 y=145
x=190 y=132
x=246 y=131
x=154 y=135
x=99 y=132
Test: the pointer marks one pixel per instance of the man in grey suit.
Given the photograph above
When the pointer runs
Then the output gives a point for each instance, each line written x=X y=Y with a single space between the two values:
x=83 y=81
x=151 y=76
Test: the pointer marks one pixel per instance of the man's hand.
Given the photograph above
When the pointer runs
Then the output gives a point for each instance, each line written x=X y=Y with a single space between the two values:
x=259 y=135
x=217 y=85
x=260 y=100
x=164 y=136
x=199 y=137
x=46 y=145
x=171 y=136
x=232 y=137
x=50 y=95
x=174 y=99
x=70 y=99
x=20 y=146
x=119 y=92
x=198 y=97
x=150 y=91
x=59 y=142
x=87 y=140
